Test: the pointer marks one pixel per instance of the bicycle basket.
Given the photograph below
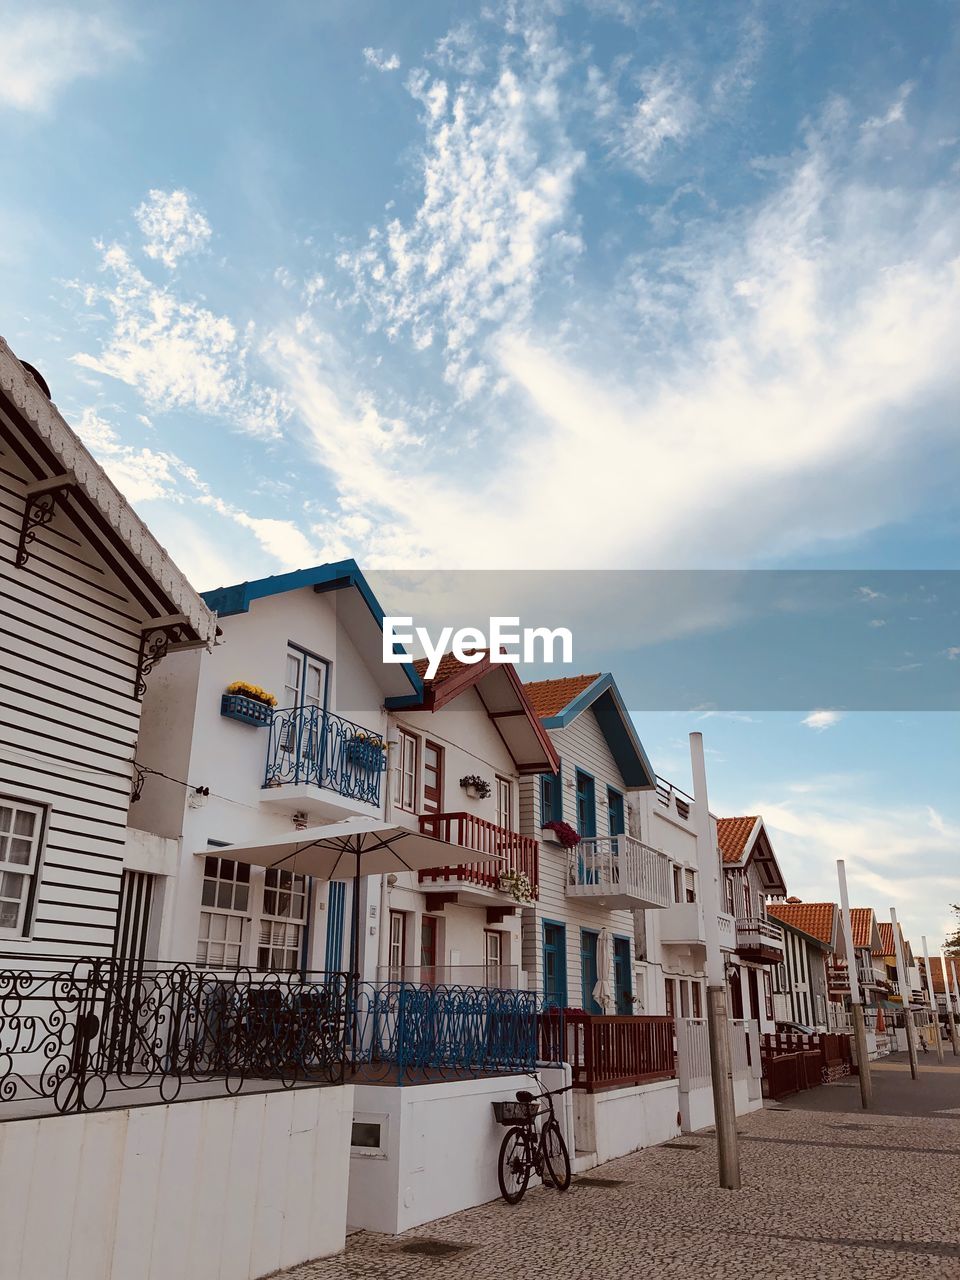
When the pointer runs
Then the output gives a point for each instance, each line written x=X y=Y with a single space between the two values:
x=515 y=1112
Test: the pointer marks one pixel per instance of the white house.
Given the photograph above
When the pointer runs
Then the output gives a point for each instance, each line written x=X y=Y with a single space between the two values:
x=89 y=603
x=811 y=936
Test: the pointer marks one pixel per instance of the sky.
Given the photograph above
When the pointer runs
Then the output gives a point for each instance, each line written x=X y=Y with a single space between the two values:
x=556 y=286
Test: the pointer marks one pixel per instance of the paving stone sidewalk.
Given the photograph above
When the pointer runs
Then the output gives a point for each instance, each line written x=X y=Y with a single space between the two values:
x=829 y=1191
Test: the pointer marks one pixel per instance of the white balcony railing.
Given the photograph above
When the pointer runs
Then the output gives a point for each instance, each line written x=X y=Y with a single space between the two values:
x=620 y=871
x=757 y=934
x=682 y=925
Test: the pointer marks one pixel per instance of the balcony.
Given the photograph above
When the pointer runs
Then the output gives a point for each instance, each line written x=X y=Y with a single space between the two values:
x=318 y=759
x=478 y=883
x=759 y=940
x=681 y=925
x=609 y=1051
x=619 y=873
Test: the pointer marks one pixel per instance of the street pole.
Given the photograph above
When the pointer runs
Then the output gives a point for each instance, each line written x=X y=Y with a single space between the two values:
x=856 y=1008
x=955 y=986
x=948 y=992
x=905 y=997
x=718 y=1018
x=932 y=997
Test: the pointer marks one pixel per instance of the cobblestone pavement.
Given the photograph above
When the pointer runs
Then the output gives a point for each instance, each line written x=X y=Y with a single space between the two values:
x=833 y=1194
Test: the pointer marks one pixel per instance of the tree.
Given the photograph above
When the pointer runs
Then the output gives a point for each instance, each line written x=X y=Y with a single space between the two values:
x=951 y=943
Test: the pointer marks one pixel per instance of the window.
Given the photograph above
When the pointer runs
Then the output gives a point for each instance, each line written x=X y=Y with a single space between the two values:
x=697 y=995
x=689 y=885
x=305 y=685
x=504 y=803
x=224 y=898
x=397 y=948
x=761 y=905
x=768 y=995
x=684 y=1000
x=728 y=890
x=668 y=991
x=586 y=805
x=493 y=956
x=615 y=812
x=432 y=777
x=405 y=786
x=551 y=798
x=284 y=917
x=21 y=827
x=677 y=883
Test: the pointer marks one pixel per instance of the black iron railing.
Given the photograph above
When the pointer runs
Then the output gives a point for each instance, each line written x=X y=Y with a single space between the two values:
x=310 y=745
x=72 y=1035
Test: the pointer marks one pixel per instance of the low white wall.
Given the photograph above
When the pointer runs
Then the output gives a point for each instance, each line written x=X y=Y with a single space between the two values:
x=217 y=1189
x=617 y=1121
x=441 y=1146
x=696 y=1107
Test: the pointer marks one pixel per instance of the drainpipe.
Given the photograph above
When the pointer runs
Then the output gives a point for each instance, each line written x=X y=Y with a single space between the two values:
x=905 y=997
x=856 y=1008
x=718 y=1017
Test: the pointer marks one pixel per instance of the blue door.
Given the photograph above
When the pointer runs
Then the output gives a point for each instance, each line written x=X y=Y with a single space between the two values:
x=586 y=805
x=622 y=978
x=554 y=965
x=588 y=970
x=615 y=812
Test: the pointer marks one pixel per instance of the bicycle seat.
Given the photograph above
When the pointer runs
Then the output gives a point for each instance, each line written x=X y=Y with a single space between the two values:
x=524 y=1096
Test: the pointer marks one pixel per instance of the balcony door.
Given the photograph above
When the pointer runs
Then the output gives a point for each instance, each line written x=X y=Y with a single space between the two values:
x=588 y=971
x=586 y=805
x=304 y=700
x=554 y=965
x=428 y=949
x=432 y=777
x=622 y=976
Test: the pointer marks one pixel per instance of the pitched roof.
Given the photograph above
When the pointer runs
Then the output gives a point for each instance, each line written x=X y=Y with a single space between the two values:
x=817 y=919
x=887 y=945
x=733 y=836
x=550 y=697
x=861 y=926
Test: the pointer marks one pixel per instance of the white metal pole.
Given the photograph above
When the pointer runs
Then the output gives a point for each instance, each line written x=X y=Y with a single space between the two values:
x=718 y=1018
x=856 y=1007
x=948 y=993
x=904 y=984
x=932 y=997
x=956 y=1000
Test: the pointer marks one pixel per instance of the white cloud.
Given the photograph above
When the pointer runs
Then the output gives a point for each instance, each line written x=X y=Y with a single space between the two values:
x=821 y=720
x=43 y=50
x=867 y=594
x=877 y=622
x=953 y=653
x=141 y=475
x=379 y=61
x=177 y=354
x=664 y=113
x=895 y=114
x=173 y=226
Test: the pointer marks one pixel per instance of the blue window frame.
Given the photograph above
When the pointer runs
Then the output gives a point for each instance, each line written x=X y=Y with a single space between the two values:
x=588 y=970
x=586 y=804
x=615 y=812
x=554 y=964
x=551 y=798
x=622 y=975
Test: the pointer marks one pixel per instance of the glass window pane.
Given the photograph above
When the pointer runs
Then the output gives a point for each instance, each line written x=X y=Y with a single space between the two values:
x=209 y=894
x=9 y=911
x=11 y=886
x=241 y=897
x=19 y=850
x=6 y=818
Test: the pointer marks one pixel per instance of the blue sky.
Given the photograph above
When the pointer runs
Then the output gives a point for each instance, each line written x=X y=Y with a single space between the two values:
x=551 y=285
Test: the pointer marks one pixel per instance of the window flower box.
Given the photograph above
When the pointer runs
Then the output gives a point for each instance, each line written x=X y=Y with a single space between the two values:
x=477 y=788
x=366 y=753
x=236 y=706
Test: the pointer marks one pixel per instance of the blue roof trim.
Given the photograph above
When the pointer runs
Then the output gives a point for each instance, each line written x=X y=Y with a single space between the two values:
x=617 y=727
x=226 y=601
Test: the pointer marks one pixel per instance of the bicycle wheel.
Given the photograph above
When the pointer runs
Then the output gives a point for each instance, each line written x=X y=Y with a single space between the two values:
x=555 y=1155
x=513 y=1170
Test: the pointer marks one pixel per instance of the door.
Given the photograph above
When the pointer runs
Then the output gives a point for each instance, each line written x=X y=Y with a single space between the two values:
x=504 y=803
x=493 y=957
x=736 y=995
x=588 y=971
x=396 y=950
x=428 y=949
x=622 y=976
x=432 y=777
x=554 y=965
x=615 y=812
x=754 y=994
x=304 y=701
x=586 y=805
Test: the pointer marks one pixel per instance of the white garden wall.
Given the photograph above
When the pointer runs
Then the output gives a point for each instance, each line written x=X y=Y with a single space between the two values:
x=217 y=1189
x=617 y=1121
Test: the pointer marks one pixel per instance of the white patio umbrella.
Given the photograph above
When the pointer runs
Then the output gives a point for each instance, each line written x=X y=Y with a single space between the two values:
x=348 y=850
x=603 y=991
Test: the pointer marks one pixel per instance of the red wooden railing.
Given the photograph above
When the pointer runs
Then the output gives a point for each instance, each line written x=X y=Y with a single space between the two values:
x=514 y=851
x=614 y=1051
x=795 y=1062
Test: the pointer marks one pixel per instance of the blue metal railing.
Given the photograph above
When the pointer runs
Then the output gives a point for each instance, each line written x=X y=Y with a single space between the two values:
x=406 y=1031
x=308 y=744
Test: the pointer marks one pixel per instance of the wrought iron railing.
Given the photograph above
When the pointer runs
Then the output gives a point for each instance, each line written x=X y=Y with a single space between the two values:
x=407 y=1033
x=619 y=864
x=310 y=745
x=70 y=1036
x=513 y=851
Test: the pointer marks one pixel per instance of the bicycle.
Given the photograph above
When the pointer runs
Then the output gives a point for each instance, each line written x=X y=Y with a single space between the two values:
x=526 y=1149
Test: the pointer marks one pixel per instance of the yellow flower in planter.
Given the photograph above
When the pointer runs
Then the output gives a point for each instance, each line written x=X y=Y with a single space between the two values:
x=244 y=689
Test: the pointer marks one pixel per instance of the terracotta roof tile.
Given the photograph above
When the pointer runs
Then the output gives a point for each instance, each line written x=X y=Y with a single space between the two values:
x=887 y=945
x=733 y=835
x=861 y=926
x=549 y=697
x=814 y=918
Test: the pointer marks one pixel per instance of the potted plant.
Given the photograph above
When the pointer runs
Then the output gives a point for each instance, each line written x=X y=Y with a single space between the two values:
x=477 y=788
x=517 y=884
x=247 y=703
x=564 y=833
x=366 y=751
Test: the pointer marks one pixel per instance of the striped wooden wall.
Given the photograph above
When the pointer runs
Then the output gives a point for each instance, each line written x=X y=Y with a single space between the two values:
x=69 y=637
